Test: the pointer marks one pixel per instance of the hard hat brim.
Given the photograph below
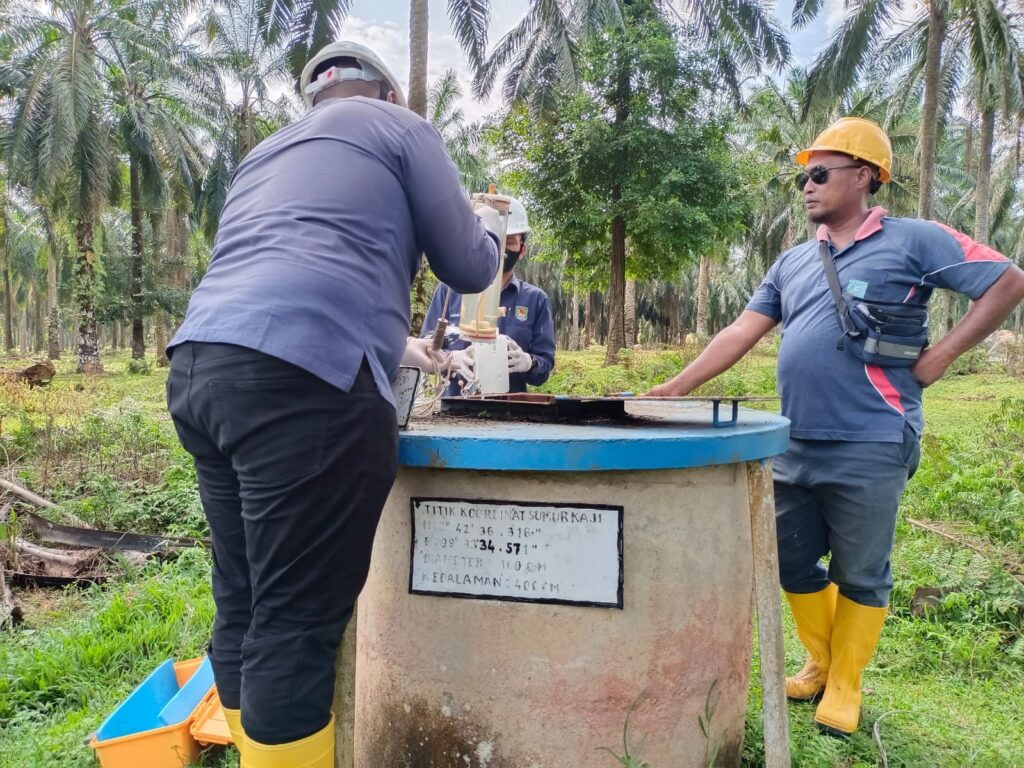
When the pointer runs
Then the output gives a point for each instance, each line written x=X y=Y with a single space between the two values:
x=805 y=154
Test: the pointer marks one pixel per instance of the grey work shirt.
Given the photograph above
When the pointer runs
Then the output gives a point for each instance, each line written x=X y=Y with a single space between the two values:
x=827 y=393
x=320 y=239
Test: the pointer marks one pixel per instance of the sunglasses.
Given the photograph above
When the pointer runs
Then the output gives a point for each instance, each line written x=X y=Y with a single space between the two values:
x=818 y=174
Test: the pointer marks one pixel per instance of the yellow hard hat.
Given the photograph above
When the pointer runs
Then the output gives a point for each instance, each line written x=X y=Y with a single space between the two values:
x=860 y=139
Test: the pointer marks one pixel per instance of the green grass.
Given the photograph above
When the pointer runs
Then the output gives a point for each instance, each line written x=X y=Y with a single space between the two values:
x=946 y=688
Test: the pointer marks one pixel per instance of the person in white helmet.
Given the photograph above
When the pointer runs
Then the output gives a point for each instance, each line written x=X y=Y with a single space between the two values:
x=527 y=323
x=279 y=382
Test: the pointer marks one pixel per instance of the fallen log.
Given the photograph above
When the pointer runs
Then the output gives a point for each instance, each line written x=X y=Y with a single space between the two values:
x=36 y=375
x=55 y=533
x=72 y=559
x=38 y=501
x=22 y=579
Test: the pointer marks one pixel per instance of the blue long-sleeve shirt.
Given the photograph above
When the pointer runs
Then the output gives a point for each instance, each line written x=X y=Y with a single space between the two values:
x=527 y=321
x=320 y=239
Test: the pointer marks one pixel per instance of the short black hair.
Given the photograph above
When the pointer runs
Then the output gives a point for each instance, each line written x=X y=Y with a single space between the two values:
x=876 y=183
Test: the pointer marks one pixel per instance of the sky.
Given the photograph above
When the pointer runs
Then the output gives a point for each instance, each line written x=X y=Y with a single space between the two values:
x=384 y=26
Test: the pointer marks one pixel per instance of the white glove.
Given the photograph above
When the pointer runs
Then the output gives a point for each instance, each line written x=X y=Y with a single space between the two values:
x=419 y=355
x=518 y=361
x=490 y=218
x=463 y=364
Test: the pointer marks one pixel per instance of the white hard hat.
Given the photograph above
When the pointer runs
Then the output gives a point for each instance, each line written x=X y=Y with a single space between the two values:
x=370 y=61
x=517 y=222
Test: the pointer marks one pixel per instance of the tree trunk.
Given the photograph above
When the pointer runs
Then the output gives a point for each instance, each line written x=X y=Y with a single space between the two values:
x=930 y=114
x=703 y=294
x=138 y=335
x=8 y=304
x=39 y=343
x=25 y=337
x=587 y=333
x=982 y=190
x=419 y=35
x=969 y=146
x=574 y=326
x=53 y=307
x=175 y=239
x=419 y=30
x=982 y=202
x=85 y=293
x=5 y=265
x=165 y=268
x=616 y=291
x=574 y=341
x=160 y=338
x=629 y=320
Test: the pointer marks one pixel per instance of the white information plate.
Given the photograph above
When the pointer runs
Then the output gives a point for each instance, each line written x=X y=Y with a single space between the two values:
x=522 y=551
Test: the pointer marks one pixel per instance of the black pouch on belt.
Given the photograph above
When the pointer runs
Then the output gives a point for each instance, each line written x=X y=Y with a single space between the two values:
x=881 y=333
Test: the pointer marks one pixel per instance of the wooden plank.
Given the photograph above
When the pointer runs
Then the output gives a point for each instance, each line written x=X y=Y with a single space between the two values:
x=767 y=597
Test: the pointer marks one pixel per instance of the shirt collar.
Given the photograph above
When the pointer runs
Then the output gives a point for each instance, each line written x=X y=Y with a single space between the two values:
x=513 y=283
x=871 y=225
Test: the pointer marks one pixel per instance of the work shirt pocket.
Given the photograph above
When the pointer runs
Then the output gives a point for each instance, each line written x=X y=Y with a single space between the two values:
x=870 y=284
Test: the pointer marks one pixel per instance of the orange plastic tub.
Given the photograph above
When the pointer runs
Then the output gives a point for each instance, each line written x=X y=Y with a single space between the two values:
x=163 y=746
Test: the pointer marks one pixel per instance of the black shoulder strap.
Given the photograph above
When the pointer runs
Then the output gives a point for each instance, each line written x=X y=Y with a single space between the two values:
x=837 y=292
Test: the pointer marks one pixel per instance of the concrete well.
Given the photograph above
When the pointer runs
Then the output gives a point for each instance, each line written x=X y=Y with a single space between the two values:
x=475 y=650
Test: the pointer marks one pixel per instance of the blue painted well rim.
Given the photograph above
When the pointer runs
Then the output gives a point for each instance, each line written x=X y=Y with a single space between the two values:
x=673 y=436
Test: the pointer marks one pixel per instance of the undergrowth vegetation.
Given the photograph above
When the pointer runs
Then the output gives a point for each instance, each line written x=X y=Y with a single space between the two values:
x=946 y=687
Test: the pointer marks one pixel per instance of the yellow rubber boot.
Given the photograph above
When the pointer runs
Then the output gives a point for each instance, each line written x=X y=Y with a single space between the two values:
x=316 y=751
x=854 y=637
x=234 y=721
x=813 y=613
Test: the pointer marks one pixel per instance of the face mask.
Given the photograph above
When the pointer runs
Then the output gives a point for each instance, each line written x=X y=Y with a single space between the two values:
x=511 y=257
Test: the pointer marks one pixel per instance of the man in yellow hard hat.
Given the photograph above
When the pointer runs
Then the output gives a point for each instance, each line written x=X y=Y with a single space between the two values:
x=851 y=369
x=279 y=382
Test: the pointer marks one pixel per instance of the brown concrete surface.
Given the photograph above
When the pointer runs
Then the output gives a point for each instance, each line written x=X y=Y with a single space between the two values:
x=444 y=682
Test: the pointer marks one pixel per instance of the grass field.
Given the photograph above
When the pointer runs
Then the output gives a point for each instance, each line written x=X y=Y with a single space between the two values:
x=945 y=689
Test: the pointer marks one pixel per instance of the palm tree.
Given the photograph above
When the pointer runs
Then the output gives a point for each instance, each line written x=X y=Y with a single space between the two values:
x=163 y=98
x=242 y=54
x=62 y=139
x=56 y=249
x=974 y=33
x=464 y=142
x=996 y=57
x=469 y=20
x=298 y=27
x=541 y=57
x=5 y=266
x=541 y=53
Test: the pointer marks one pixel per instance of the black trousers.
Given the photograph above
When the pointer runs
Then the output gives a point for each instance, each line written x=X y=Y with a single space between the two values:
x=293 y=474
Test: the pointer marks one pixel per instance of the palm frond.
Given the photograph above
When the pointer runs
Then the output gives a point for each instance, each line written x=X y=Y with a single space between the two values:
x=745 y=28
x=303 y=26
x=805 y=11
x=838 y=66
x=470 y=20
